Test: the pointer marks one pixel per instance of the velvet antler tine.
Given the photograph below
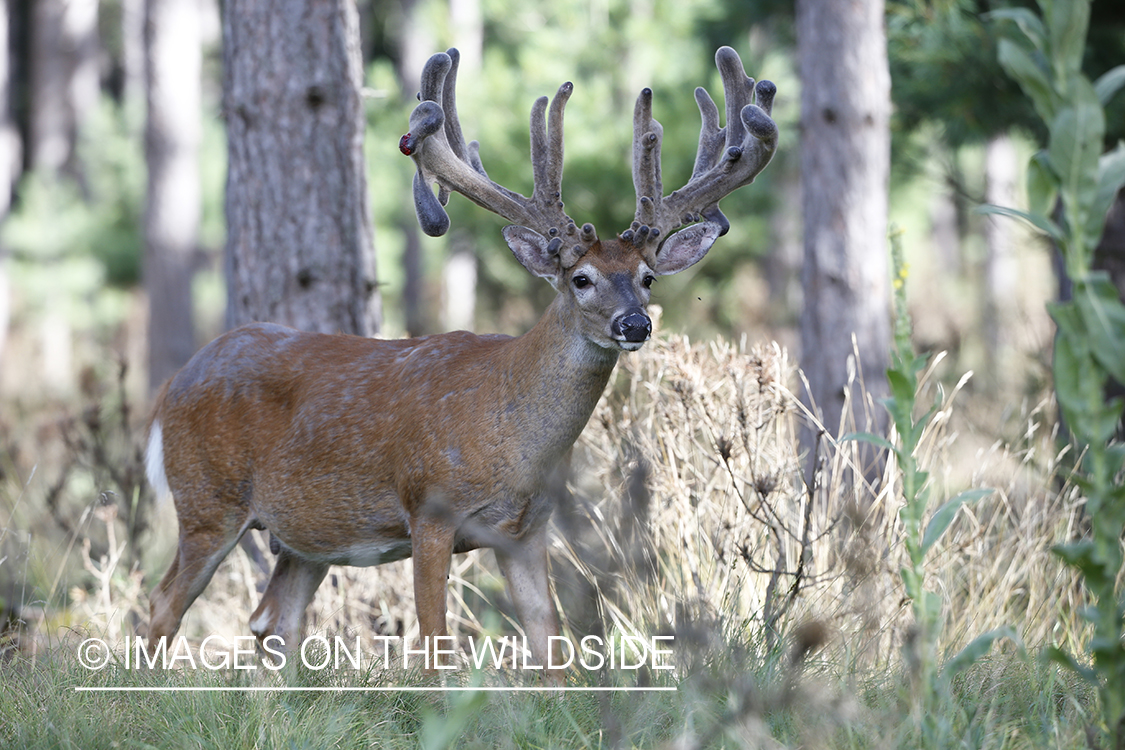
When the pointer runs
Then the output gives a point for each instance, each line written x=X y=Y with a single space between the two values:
x=728 y=157
x=553 y=168
x=438 y=147
x=449 y=105
x=738 y=90
x=433 y=77
x=647 y=138
x=763 y=95
x=710 y=135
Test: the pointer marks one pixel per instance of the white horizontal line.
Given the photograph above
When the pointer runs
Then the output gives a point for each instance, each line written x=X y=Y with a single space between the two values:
x=383 y=689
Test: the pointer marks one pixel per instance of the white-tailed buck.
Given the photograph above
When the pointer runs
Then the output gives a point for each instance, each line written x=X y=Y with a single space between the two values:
x=354 y=451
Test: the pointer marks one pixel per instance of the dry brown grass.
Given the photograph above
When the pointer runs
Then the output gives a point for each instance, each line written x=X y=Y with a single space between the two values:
x=690 y=512
x=733 y=535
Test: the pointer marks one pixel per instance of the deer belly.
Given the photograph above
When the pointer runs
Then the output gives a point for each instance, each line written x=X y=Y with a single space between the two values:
x=362 y=554
x=375 y=552
x=338 y=530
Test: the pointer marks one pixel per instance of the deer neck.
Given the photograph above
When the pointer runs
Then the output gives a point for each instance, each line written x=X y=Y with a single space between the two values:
x=557 y=376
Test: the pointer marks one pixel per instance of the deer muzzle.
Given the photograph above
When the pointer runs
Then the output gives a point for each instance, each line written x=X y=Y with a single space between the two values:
x=634 y=327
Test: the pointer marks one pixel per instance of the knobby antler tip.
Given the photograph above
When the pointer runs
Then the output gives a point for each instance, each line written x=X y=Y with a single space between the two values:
x=764 y=93
x=728 y=157
x=759 y=124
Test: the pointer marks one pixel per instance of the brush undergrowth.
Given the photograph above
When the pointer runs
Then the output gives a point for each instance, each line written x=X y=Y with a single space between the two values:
x=1071 y=185
x=687 y=514
x=807 y=607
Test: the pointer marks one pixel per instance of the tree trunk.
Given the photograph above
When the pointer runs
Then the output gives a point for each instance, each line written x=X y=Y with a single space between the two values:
x=9 y=168
x=299 y=237
x=460 y=287
x=64 y=80
x=133 y=56
x=459 y=277
x=845 y=157
x=782 y=265
x=64 y=87
x=415 y=44
x=173 y=61
x=1001 y=266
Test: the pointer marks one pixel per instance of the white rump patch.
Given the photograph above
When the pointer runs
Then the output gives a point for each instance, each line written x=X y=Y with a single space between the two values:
x=154 y=463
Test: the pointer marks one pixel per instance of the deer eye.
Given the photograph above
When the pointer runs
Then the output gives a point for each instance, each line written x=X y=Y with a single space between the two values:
x=581 y=282
x=647 y=281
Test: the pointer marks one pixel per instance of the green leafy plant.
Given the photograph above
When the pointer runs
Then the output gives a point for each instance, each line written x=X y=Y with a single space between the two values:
x=1071 y=185
x=929 y=680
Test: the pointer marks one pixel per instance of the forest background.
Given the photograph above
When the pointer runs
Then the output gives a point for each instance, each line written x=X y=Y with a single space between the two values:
x=77 y=367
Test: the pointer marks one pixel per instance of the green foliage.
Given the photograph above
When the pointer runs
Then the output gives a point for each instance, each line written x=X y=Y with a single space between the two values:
x=76 y=240
x=951 y=41
x=57 y=219
x=1044 y=54
x=945 y=40
x=930 y=685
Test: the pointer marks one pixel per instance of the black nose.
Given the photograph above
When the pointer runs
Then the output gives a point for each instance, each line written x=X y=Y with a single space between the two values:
x=633 y=327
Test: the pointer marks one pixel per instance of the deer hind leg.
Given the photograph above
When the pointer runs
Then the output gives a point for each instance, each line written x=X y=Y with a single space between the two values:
x=201 y=549
x=281 y=612
x=524 y=565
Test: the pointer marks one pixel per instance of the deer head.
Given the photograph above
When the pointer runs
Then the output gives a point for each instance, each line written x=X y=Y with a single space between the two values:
x=605 y=282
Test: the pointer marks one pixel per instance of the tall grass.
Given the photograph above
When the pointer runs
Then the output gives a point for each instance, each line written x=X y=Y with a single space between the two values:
x=691 y=511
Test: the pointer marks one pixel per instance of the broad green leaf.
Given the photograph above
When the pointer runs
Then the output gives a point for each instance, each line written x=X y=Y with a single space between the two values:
x=1042 y=185
x=902 y=400
x=1084 y=555
x=1078 y=382
x=1074 y=146
x=1103 y=316
x=1067 y=21
x=443 y=730
x=979 y=647
x=1106 y=650
x=971 y=496
x=1111 y=176
x=1109 y=83
x=1115 y=454
x=1032 y=78
x=1067 y=318
x=1101 y=425
x=930 y=606
x=944 y=516
x=1027 y=21
x=867 y=437
x=1039 y=221
x=1058 y=656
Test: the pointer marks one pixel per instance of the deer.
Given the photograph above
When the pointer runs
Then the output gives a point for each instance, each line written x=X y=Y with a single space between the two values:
x=358 y=451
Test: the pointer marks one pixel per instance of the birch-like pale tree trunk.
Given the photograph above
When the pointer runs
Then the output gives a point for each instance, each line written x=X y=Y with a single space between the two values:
x=1001 y=267
x=173 y=130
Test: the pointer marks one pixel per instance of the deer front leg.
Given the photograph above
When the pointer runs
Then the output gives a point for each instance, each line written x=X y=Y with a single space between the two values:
x=524 y=565
x=432 y=548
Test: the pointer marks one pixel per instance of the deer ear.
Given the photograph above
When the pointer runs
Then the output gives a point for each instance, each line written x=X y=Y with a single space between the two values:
x=686 y=247
x=534 y=252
